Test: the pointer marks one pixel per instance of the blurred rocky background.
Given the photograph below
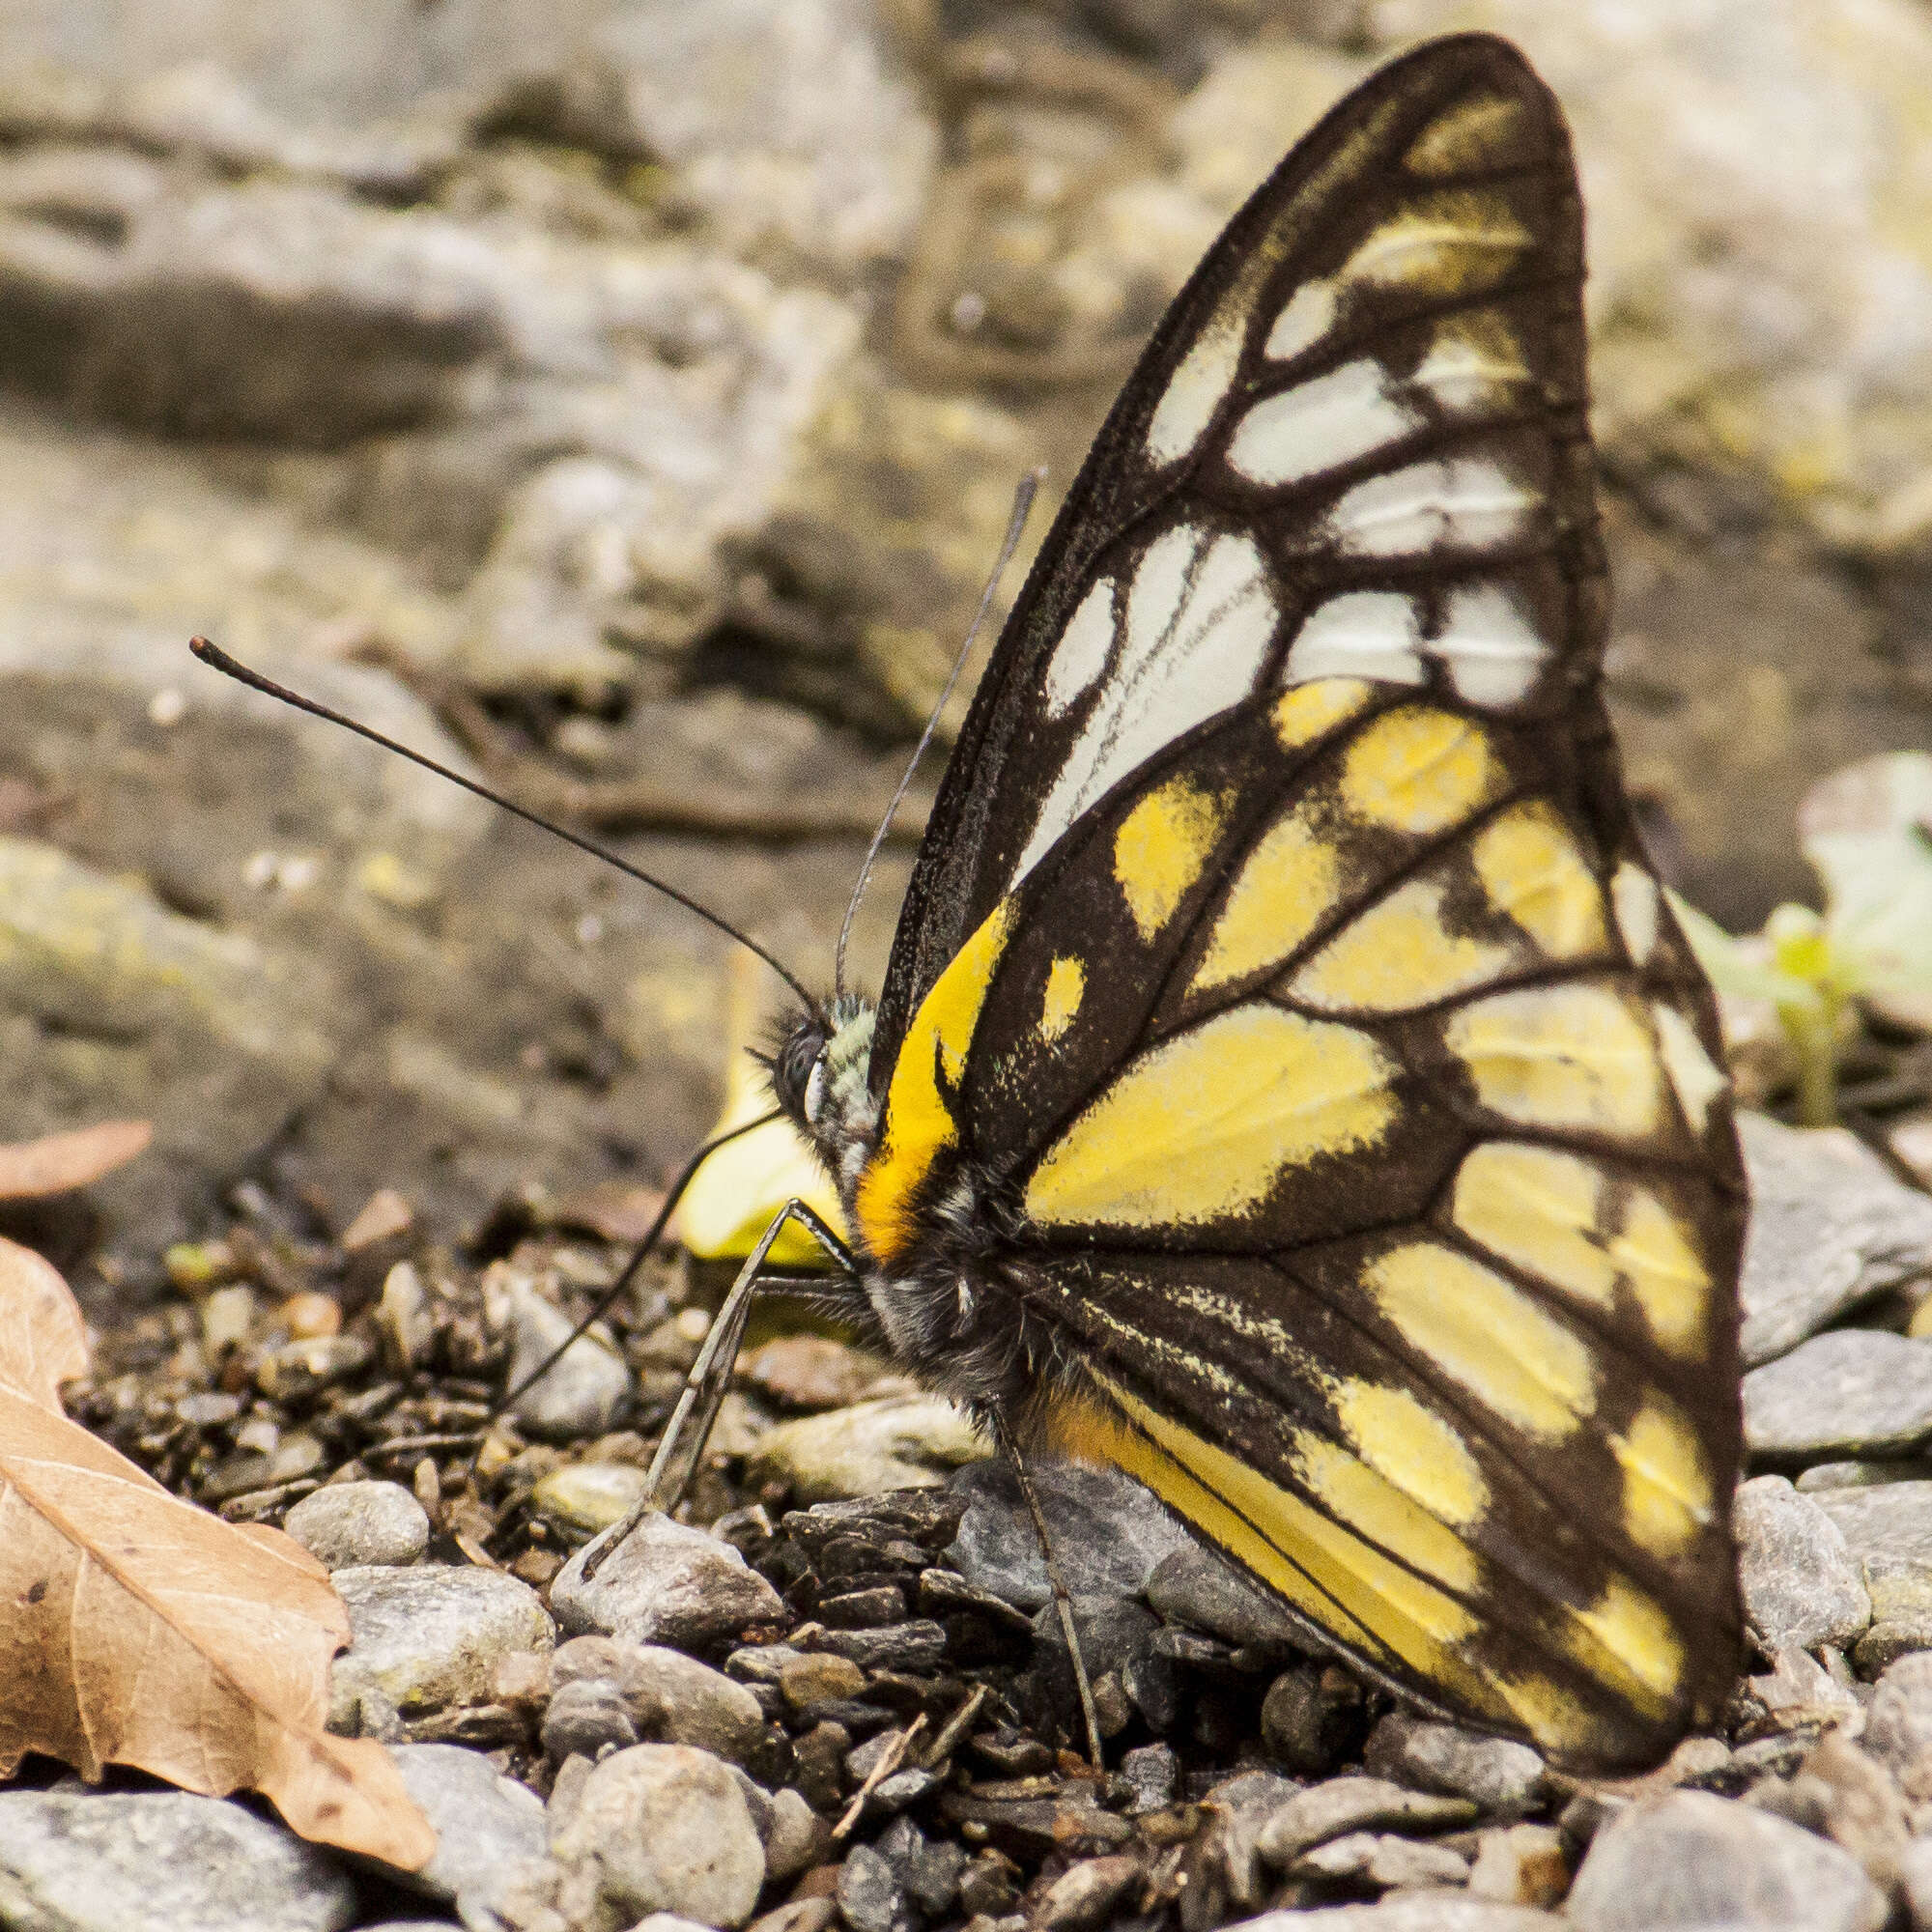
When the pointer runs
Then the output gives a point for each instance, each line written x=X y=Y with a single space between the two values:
x=625 y=397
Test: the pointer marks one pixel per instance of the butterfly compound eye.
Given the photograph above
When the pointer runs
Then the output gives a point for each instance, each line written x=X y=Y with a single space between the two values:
x=798 y=1071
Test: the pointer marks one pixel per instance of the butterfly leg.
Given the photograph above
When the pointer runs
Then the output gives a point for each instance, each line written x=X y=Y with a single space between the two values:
x=1063 y=1599
x=688 y=1429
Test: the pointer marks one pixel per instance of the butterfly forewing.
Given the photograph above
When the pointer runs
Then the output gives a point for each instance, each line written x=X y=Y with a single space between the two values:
x=1282 y=967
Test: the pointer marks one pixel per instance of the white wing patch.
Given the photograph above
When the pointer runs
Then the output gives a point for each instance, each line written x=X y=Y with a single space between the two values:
x=1320 y=425
x=1465 y=500
x=1201 y=616
x=1193 y=393
x=1081 y=654
x=1307 y=315
x=1493 y=654
x=1373 y=634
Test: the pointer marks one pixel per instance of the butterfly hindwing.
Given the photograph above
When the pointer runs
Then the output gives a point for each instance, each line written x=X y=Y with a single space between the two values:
x=1282 y=977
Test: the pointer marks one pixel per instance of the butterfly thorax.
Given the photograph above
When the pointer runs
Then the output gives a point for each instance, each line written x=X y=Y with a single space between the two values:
x=944 y=1310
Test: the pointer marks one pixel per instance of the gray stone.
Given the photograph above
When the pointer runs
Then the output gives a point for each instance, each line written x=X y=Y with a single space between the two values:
x=1377 y=1860
x=916 y=1645
x=1853 y=1391
x=870 y=1898
x=1800 y=1586
x=1915 y=1882
x=1108 y=1531
x=1085 y=1894
x=670 y=1697
x=1205 y=1592
x=585 y=1718
x=1694 y=1860
x=1831 y=1227
x=795 y=1837
x=490 y=1828
x=586 y=1497
x=1888 y=1531
x=1521 y=1864
x=1341 y=1805
x=379 y=1524
x=895 y=1442
x=1240 y=1810
x=1898 y=1724
x=670 y=1584
x=659 y=1827
x=159 y=1861
x=1862 y=1475
x=1501 y=1778
x=431 y=1636
x=584 y=1393
x=1153 y=1772
x=1432 y=1911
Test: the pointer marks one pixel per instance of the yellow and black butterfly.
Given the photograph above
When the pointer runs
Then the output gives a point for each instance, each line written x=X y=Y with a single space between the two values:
x=1289 y=1085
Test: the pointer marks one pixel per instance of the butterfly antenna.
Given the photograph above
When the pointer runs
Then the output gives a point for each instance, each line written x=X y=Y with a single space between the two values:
x=1029 y=487
x=214 y=656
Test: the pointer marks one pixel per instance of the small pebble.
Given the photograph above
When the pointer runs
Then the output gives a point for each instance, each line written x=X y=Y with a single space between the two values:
x=1501 y=1778
x=1851 y=1392
x=1801 y=1586
x=869 y=1895
x=900 y=1442
x=372 y=1524
x=659 y=1827
x=1353 y=1805
x=582 y=1393
x=311 y=1315
x=1379 y=1860
x=1692 y=1859
x=1521 y=1864
x=431 y=1635
x=668 y=1583
x=1196 y=1588
x=490 y=1828
x=161 y=1861
x=296 y=1369
x=586 y=1497
x=809 y=1372
x=1084 y=1896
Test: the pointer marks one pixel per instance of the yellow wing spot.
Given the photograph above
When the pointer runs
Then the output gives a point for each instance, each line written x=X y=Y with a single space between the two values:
x=1694 y=1076
x=1418 y=770
x=1666 y=1483
x=1161 y=848
x=1672 y=1286
x=1397 y=955
x=1374 y=1507
x=1065 y=986
x=1413 y=1448
x=1300 y=716
x=1549 y=1714
x=1629 y=1637
x=1634 y=895
x=917 y=1122
x=1565 y=1056
x=1204 y=1125
x=1531 y=868
x=1318 y=1565
x=1484 y=1333
x=1444 y=245
x=1288 y=881
x=1540 y=1210
x=1478 y=133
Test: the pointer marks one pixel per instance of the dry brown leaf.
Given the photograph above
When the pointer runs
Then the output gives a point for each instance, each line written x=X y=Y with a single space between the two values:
x=136 y=1629
x=56 y=1162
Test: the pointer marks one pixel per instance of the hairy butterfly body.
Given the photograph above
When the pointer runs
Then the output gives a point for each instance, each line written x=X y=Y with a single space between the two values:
x=1288 y=1084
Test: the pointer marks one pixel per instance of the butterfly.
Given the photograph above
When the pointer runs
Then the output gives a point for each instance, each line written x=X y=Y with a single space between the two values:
x=1290 y=1085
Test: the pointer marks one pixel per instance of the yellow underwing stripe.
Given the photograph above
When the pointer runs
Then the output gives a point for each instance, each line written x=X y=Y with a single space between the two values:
x=1473 y=135
x=1418 y=770
x=918 y=1121
x=1441 y=245
x=1629 y=1640
x=1470 y=1324
x=1531 y=868
x=1414 y=1447
x=1160 y=849
x=1564 y=1056
x=1321 y=1567
x=1558 y=1216
x=1287 y=882
x=1666 y=1482
x=1204 y=1125
x=1397 y=954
